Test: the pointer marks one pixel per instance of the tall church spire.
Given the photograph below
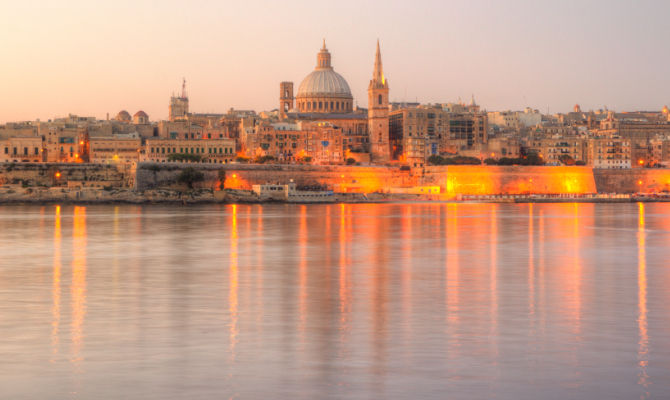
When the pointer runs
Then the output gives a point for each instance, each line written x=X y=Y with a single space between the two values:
x=378 y=113
x=378 y=73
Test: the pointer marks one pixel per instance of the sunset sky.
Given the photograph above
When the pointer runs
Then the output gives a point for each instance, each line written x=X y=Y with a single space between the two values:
x=94 y=57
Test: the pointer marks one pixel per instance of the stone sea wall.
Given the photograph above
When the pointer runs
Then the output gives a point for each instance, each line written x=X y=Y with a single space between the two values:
x=64 y=175
x=165 y=175
x=482 y=180
x=451 y=180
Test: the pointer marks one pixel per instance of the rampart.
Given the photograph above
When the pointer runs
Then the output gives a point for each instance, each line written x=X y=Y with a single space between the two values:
x=64 y=174
x=451 y=180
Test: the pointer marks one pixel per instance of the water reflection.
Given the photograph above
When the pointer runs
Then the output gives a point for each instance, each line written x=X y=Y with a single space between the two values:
x=336 y=301
x=452 y=277
x=302 y=272
x=493 y=240
x=233 y=281
x=344 y=272
x=531 y=266
x=643 y=351
x=78 y=288
x=56 y=285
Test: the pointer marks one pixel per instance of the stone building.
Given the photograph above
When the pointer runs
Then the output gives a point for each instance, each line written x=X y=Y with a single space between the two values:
x=609 y=153
x=554 y=150
x=207 y=150
x=417 y=133
x=21 y=149
x=115 y=149
x=318 y=142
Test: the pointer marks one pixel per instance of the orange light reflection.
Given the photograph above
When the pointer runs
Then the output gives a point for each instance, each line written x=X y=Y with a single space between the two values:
x=643 y=345
x=233 y=281
x=78 y=289
x=56 y=289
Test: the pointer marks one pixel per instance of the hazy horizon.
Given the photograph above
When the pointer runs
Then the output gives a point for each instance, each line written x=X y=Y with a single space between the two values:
x=91 y=58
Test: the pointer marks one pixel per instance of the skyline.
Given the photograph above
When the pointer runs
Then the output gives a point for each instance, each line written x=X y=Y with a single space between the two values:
x=119 y=55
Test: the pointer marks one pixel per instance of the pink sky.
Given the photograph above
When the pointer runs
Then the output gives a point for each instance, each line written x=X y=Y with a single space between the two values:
x=90 y=58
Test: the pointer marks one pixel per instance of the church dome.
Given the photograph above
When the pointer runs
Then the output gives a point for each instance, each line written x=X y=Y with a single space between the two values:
x=324 y=90
x=123 y=115
x=324 y=82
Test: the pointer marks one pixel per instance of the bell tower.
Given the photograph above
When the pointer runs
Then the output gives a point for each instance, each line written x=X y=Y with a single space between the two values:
x=285 y=98
x=378 y=113
x=179 y=104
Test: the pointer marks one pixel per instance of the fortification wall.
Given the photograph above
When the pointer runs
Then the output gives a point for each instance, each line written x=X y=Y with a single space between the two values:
x=480 y=180
x=637 y=180
x=341 y=178
x=151 y=175
x=452 y=180
x=57 y=174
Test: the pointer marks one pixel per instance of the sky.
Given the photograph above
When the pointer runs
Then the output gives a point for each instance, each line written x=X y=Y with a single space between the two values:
x=95 y=57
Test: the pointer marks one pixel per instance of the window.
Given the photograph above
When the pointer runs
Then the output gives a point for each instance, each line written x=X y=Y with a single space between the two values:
x=6 y=150
x=320 y=105
x=380 y=99
x=37 y=151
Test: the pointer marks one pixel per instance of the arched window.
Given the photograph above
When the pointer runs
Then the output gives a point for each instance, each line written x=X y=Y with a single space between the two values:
x=320 y=105
x=380 y=99
x=286 y=93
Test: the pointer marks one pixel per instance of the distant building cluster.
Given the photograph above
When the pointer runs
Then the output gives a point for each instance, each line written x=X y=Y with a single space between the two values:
x=320 y=124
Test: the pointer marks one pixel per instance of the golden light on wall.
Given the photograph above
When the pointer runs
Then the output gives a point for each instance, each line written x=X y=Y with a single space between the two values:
x=490 y=180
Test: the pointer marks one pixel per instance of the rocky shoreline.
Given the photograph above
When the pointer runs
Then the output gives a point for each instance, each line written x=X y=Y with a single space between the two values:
x=40 y=195
x=13 y=194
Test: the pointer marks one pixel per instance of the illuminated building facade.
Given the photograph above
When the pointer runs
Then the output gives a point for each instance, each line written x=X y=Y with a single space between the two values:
x=108 y=150
x=208 y=150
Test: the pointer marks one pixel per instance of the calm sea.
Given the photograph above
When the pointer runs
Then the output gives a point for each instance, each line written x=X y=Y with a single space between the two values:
x=372 y=301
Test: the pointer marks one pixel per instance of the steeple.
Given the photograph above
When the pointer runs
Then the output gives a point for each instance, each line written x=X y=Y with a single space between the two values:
x=378 y=73
x=183 y=89
x=378 y=113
